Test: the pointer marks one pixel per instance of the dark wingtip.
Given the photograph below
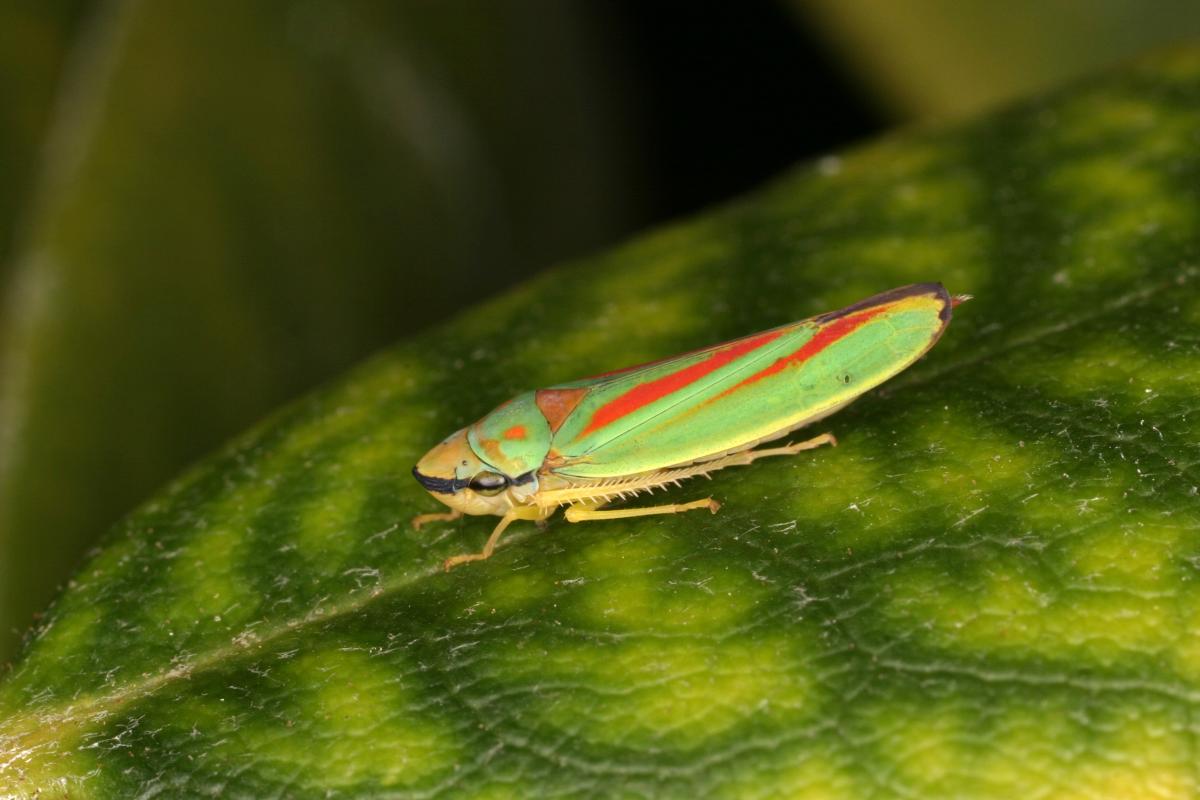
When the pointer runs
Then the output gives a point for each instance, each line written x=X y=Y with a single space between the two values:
x=892 y=295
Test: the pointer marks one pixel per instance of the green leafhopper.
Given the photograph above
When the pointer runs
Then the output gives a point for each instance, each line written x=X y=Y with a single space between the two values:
x=590 y=442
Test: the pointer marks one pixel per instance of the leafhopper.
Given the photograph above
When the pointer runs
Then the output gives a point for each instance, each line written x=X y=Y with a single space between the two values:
x=594 y=441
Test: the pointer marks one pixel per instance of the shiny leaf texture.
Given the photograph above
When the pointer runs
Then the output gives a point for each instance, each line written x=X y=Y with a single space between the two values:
x=988 y=590
x=237 y=201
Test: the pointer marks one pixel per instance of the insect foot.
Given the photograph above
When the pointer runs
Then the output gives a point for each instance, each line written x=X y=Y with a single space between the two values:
x=424 y=519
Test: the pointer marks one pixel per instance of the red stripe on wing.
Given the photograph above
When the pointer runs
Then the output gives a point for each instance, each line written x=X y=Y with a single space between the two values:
x=646 y=393
x=832 y=332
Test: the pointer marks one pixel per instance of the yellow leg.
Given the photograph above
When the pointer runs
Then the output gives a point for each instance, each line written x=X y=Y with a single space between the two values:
x=421 y=519
x=514 y=514
x=792 y=449
x=582 y=512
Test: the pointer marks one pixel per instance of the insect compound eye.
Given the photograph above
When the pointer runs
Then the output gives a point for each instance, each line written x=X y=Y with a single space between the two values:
x=489 y=483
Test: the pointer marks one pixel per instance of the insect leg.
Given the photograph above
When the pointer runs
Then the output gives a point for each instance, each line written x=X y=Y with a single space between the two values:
x=514 y=514
x=582 y=512
x=792 y=449
x=421 y=519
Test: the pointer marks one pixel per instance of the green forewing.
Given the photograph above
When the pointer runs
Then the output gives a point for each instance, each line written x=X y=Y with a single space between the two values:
x=736 y=394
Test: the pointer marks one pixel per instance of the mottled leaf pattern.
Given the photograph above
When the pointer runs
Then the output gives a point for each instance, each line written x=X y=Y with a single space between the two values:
x=988 y=590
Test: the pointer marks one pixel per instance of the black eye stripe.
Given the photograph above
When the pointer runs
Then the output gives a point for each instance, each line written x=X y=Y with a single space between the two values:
x=439 y=485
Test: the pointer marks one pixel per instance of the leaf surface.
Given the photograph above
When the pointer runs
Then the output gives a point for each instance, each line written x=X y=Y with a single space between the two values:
x=988 y=590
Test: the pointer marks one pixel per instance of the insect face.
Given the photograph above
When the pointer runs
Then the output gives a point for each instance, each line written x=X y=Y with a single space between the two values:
x=453 y=474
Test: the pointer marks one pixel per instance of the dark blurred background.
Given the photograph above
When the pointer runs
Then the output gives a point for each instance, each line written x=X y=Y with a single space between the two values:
x=207 y=208
x=726 y=95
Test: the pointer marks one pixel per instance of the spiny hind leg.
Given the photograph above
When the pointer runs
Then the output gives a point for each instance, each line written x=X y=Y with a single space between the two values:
x=424 y=519
x=740 y=458
x=581 y=498
x=793 y=449
x=514 y=514
x=583 y=512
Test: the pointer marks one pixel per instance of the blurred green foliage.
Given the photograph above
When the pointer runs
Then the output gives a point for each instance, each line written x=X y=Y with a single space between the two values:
x=944 y=58
x=221 y=204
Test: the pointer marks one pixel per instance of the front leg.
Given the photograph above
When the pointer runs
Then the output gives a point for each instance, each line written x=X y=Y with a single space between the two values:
x=422 y=519
x=514 y=514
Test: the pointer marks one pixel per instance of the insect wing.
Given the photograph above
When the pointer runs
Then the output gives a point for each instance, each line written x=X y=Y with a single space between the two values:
x=731 y=396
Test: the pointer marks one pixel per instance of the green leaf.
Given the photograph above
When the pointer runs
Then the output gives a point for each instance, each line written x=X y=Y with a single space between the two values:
x=237 y=204
x=988 y=590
